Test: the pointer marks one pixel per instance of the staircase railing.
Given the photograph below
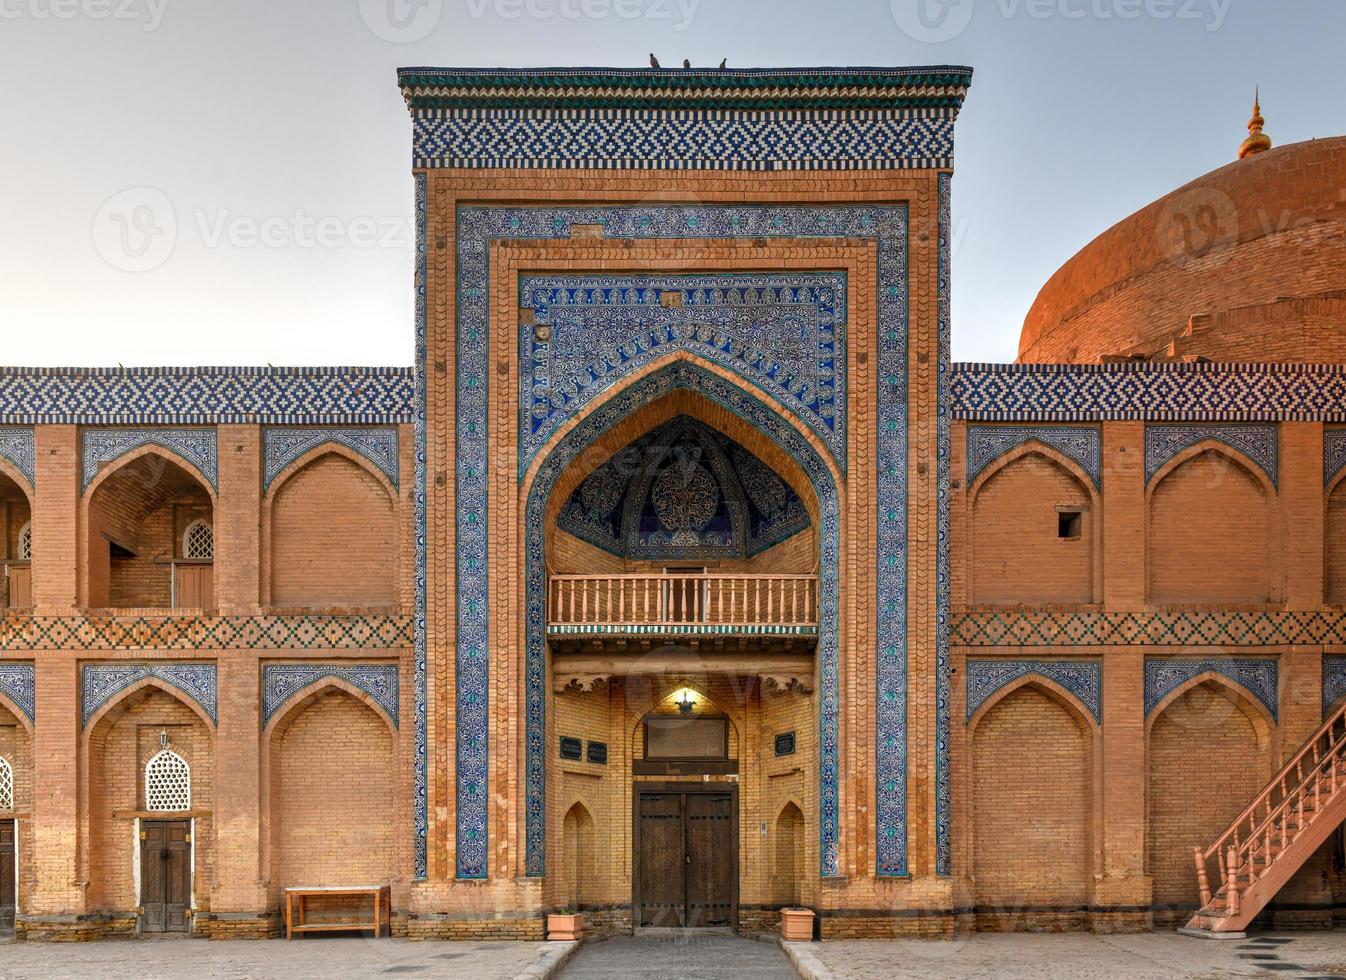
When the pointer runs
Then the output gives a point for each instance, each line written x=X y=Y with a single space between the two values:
x=1264 y=828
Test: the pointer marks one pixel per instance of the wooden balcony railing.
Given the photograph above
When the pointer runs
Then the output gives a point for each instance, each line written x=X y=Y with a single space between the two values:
x=691 y=603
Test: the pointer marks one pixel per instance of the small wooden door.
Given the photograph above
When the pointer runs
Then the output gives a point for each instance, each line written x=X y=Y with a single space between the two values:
x=194 y=586
x=20 y=586
x=165 y=874
x=8 y=883
x=687 y=859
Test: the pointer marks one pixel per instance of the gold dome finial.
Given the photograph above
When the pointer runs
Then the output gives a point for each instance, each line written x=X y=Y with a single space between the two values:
x=1257 y=141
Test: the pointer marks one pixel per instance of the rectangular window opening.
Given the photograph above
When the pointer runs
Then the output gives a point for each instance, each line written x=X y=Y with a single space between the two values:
x=1068 y=524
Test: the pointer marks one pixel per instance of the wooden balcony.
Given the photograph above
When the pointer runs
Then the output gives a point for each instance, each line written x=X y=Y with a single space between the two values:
x=693 y=605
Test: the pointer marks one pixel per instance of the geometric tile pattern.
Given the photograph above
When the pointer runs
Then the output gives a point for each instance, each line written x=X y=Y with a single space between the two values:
x=196 y=446
x=476 y=227
x=1334 y=681
x=18 y=446
x=101 y=682
x=679 y=375
x=1176 y=392
x=281 y=447
x=1334 y=453
x=420 y=522
x=1082 y=678
x=786 y=334
x=987 y=443
x=1163 y=676
x=281 y=682
x=23 y=632
x=205 y=396
x=866 y=139
x=943 y=571
x=1257 y=442
x=18 y=682
x=1171 y=628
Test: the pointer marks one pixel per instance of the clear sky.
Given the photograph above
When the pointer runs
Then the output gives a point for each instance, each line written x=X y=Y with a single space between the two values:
x=227 y=181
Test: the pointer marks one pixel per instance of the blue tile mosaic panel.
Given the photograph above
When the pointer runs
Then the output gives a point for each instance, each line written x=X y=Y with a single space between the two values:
x=102 y=446
x=685 y=139
x=1164 y=442
x=1082 y=678
x=1258 y=677
x=1082 y=444
x=1334 y=454
x=18 y=446
x=281 y=682
x=1169 y=392
x=102 y=682
x=785 y=334
x=205 y=396
x=476 y=228
x=420 y=417
x=943 y=797
x=1334 y=682
x=18 y=682
x=282 y=446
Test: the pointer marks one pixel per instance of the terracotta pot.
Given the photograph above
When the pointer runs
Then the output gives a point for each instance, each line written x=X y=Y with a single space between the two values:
x=796 y=925
x=567 y=926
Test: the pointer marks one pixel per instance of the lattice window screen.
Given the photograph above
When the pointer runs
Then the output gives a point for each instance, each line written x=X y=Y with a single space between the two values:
x=6 y=785
x=198 y=541
x=168 y=782
x=26 y=542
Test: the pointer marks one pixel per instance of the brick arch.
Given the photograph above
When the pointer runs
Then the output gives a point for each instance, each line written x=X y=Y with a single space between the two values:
x=373 y=580
x=330 y=761
x=636 y=716
x=10 y=705
x=1020 y=533
x=1334 y=540
x=1034 y=810
x=152 y=449
x=580 y=854
x=107 y=858
x=17 y=475
x=1194 y=554
x=610 y=424
x=1052 y=690
x=1201 y=771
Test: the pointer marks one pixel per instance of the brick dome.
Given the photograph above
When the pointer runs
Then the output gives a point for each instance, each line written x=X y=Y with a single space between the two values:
x=1247 y=263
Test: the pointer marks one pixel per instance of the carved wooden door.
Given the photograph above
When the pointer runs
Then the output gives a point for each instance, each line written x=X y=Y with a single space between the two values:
x=165 y=874
x=8 y=885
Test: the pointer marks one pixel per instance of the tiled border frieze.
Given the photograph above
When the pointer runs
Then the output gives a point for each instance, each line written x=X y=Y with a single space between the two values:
x=102 y=446
x=1170 y=392
x=1164 y=676
x=983 y=627
x=1164 y=442
x=205 y=396
x=18 y=445
x=101 y=682
x=281 y=682
x=282 y=446
x=24 y=632
x=1082 y=678
x=18 y=682
x=987 y=443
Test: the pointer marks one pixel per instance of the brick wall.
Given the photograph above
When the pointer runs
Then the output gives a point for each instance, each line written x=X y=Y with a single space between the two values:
x=1031 y=808
x=1209 y=534
x=332 y=786
x=335 y=538
x=1208 y=757
x=16 y=748
x=1334 y=550
x=1018 y=553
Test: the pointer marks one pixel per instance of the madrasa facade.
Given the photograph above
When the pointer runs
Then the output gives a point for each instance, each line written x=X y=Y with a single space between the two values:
x=683 y=577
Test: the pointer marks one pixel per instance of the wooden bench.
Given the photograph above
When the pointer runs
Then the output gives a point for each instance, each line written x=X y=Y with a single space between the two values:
x=383 y=909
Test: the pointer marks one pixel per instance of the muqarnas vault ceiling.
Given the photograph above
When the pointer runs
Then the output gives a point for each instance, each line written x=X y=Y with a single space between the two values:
x=683 y=490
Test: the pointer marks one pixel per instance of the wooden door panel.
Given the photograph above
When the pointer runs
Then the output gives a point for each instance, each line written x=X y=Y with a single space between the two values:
x=195 y=586
x=662 y=878
x=20 y=586
x=165 y=875
x=8 y=888
x=710 y=864
x=177 y=872
x=152 y=843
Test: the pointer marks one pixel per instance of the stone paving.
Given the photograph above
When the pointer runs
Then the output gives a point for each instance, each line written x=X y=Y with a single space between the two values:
x=1075 y=956
x=310 y=958
x=679 y=955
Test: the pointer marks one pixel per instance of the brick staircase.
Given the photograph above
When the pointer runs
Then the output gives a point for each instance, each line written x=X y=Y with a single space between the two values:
x=1271 y=839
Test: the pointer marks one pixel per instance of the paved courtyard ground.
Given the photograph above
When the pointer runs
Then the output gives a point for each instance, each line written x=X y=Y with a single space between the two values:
x=1161 y=956
x=1155 y=956
x=311 y=958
